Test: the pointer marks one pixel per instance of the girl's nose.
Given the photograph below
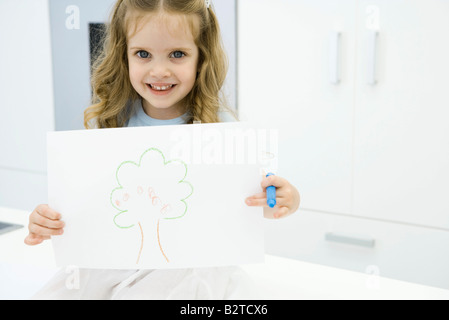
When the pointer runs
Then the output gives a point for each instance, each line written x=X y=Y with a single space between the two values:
x=159 y=70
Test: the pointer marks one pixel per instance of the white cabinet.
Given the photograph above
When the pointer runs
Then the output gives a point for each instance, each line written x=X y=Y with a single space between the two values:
x=371 y=147
x=284 y=81
x=401 y=170
x=26 y=100
x=26 y=105
x=402 y=252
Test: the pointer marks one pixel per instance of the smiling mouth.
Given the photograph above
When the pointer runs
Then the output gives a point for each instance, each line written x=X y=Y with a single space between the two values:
x=161 y=87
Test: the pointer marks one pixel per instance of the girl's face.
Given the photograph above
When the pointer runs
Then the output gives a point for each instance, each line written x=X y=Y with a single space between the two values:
x=163 y=64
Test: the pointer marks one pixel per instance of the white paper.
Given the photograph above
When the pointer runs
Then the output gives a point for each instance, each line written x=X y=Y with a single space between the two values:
x=156 y=197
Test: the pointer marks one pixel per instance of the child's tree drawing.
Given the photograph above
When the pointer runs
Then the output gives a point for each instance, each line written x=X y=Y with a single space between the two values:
x=150 y=190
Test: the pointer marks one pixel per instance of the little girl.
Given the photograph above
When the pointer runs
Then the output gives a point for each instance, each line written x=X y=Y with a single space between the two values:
x=163 y=63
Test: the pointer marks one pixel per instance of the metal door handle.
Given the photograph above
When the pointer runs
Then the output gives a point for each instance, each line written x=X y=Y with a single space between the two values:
x=347 y=239
x=335 y=58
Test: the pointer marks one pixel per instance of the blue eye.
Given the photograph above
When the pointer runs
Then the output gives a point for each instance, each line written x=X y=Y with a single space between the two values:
x=178 y=54
x=143 y=54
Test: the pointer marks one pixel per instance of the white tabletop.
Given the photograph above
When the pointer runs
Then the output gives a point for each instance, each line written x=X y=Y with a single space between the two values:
x=24 y=269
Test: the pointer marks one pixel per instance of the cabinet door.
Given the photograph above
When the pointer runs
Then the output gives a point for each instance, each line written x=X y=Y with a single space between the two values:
x=398 y=251
x=26 y=102
x=284 y=82
x=26 y=93
x=401 y=122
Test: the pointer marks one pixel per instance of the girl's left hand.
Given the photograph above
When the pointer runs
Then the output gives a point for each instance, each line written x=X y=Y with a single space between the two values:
x=287 y=198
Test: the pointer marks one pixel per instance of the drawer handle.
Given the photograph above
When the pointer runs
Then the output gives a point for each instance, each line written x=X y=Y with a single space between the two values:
x=356 y=241
x=335 y=59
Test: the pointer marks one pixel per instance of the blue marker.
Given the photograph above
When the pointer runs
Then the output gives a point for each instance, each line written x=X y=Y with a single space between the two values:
x=271 y=194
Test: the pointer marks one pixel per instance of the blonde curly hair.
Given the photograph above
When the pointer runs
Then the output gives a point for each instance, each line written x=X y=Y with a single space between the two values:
x=112 y=89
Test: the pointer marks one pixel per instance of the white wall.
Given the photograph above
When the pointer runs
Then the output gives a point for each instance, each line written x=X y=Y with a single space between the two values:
x=26 y=101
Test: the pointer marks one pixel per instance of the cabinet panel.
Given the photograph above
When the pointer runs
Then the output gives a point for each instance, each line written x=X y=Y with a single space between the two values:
x=401 y=132
x=402 y=252
x=284 y=82
x=26 y=92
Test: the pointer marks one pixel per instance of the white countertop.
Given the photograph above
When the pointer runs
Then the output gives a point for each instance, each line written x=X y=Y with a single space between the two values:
x=24 y=269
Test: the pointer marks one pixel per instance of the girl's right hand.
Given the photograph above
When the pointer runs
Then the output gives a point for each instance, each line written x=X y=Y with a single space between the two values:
x=44 y=223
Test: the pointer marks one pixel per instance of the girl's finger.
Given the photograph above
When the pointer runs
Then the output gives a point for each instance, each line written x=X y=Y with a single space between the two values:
x=46 y=222
x=273 y=181
x=33 y=239
x=47 y=212
x=256 y=202
x=43 y=232
x=282 y=212
x=260 y=200
x=256 y=199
